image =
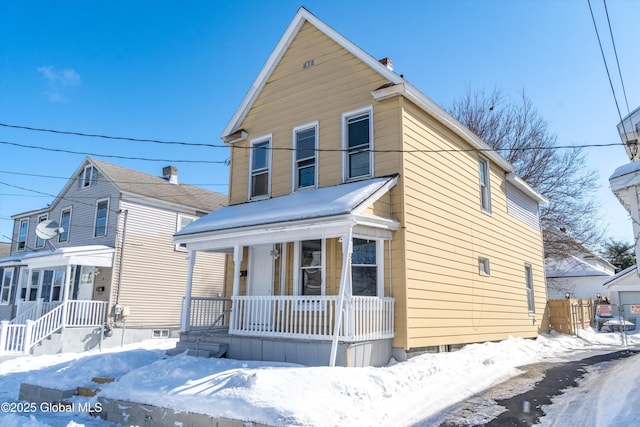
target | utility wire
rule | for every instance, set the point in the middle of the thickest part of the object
(604, 59)
(615, 51)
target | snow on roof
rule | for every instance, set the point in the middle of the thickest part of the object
(308, 204)
(625, 170)
(620, 275)
(571, 267)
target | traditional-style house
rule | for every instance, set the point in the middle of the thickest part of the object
(580, 275)
(102, 256)
(364, 221)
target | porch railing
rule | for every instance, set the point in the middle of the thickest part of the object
(312, 317)
(209, 312)
(19, 338)
(31, 310)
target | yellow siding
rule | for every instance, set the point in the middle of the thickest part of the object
(448, 301)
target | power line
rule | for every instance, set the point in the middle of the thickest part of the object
(60, 150)
(615, 51)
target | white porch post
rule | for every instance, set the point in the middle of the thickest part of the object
(345, 290)
(237, 260)
(65, 295)
(186, 311)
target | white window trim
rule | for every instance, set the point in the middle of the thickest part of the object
(254, 141)
(178, 246)
(68, 231)
(531, 299)
(484, 266)
(41, 218)
(106, 219)
(93, 177)
(296, 262)
(345, 144)
(379, 263)
(485, 188)
(294, 166)
(11, 281)
(26, 235)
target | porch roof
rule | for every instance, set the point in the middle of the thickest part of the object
(96, 255)
(313, 206)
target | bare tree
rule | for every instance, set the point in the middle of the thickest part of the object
(521, 135)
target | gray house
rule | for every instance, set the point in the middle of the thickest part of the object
(107, 260)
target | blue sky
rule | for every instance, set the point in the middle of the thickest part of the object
(175, 70)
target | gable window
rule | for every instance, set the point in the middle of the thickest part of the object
(311, 267)
(259, 167)
(528, 277)
(358, 144)
(65, 223)
(6, 289)
(485, 188)
(40, 242)
(102, 215)
(364, 268)
(305, 145)
(88, 177)
(22, 234)
(484, 268)
(183, 221)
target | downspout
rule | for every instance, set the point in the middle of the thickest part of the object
(345, 288)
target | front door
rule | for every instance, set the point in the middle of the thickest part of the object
(259, 313)
(85, 283)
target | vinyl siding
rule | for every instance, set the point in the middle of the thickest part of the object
(522, 207)
(154, 273)
(448, 301)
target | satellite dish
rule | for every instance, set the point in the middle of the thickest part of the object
(48, 229)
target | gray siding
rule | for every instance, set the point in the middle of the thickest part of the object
(154, 273)
(522, 207)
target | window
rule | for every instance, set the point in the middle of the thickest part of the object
(364, 269)
(88, 177)
(40, 242)
(102, 215)
(32, 293)
(357, 134)
(528, 276)
(6, 289)
(483, 266)
(183, 221)
(485, 188)
(65, 223)
(305, 145)
(22, 234)
(259, 179)
(311, 267)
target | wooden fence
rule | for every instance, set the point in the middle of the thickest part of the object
(568, 315)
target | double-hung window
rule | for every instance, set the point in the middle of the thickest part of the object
(485, 187)
(484, 267)
(22, 234)
(40, 242)
(528, 277)
(88, 177)
(305, 140)
(102, 215)
(260, 168)
(6, 290)
(311, 267)
(358, 144)
(65, 223)
(364, 267)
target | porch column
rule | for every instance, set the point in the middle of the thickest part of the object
(186, 310)
(237, 260)
(345, 290)
(65, 294)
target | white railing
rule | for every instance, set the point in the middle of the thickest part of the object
(312, 317)
(19, 338)
(31, 310)
(209, 312)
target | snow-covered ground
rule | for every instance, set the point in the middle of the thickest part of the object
(286, 394)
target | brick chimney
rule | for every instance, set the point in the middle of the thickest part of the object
(170, 173)
(387, 62)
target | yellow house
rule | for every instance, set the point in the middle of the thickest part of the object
(364, 221)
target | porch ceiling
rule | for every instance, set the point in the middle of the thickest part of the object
(321, 212)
